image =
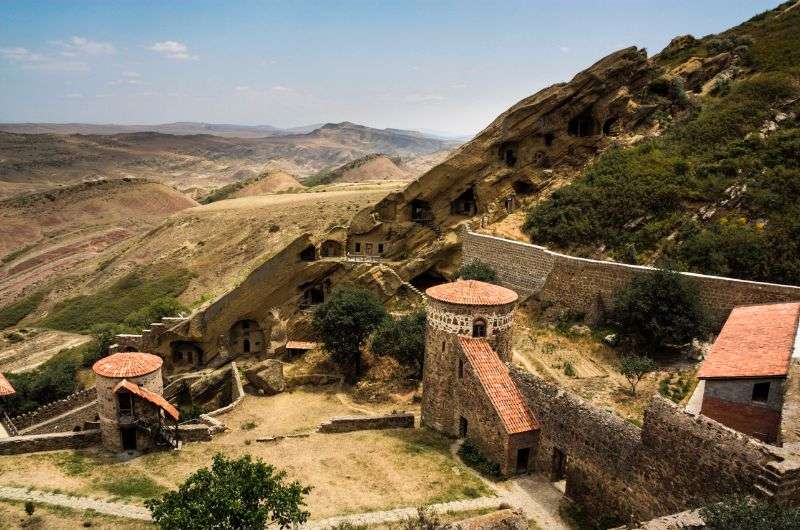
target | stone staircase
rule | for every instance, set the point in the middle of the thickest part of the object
(779, 480)
(404, 283)
(140, 341)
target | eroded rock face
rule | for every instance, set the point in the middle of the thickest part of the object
(267, 376)
(544, 138)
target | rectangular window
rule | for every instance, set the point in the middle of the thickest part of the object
(358, 248)
(761, 392)
(380, 248)
(460, 369)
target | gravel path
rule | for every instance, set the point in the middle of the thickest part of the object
(77, 503)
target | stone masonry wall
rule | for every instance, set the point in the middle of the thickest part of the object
(588, 286)
(400, 420)
(56, 408)
(67, 422)
(676, 461)
(49, 442)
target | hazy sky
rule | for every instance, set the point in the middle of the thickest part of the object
(445, 66)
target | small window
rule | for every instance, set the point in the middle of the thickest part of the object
(245, 325)
(444, 346)
(460, 369)
(358, 247)
(761, 392)
(380, 248)
(479, 328)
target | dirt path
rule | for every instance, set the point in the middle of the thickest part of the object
(77, 503)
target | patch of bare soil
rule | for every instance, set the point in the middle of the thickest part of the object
(581, 362)
(23, 349)
(350, 472)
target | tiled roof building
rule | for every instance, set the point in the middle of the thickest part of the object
(745, 371)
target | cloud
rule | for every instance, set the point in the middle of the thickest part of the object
(131, 74)
(81, 45)
(20, 55)
(58, 66)
(242, 88)
(172, 49)
(281, 88)
(564, 49)
(74, 96)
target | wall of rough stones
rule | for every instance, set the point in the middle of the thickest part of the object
(676, 461)
(401, 420)
(588, 286)
(73, 420)
(56, 408)
(49, 442)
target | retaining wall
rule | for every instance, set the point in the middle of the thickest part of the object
(401, 420)
(49, 442)
(237, 393)
(676, 461)
(69, 421)
(56, 408)
(588, 286)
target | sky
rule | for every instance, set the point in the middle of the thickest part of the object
(445, 66)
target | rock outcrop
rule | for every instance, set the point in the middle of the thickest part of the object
(267, 376)
(528, 150)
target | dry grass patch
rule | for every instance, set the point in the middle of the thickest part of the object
(45, 517)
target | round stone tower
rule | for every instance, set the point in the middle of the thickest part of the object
(466, 308)
(120, 378)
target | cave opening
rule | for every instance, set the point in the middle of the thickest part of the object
(583, 124)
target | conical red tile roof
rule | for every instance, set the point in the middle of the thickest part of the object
(472, 292)
(127, 364)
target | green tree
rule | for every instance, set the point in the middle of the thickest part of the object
(346, 320)
(403, 339)
(234, 494)
(658, 310)
(634, 368)
(477, 270)
(165, 306)
(30, 508)
(741, 513)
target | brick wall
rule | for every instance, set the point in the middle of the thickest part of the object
(758, 422)
(676, 461)
(49, 442)
(588, 286)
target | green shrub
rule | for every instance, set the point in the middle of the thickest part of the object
(473, 457)
(569, 370)
(402, 338)
(345, 321)
(477, 270)
(634, 368)
(741, 513)
(139, 295)
(659, 310)
(11, 314)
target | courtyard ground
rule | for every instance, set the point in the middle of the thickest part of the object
(350, 472)
(580, 361)
(46, 517)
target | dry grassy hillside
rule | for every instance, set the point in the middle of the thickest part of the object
(274, 182)
(193, 163)
(223, 241)
(48, 234)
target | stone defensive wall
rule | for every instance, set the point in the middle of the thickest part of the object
(587, 286)
(49, 411)
(49, 442)
(676, 461)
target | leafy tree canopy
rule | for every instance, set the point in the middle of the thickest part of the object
(658, 310)
(634, 368)
(477, 270)
(346, 320)
(403, 339)
(239, 494)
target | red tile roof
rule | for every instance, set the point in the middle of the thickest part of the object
(503, 393)
(756, 341)
(127, 364)
(472, 292)
(148, 395)
(5, 387)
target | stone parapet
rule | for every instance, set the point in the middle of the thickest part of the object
(401, 420)
(49, 442)
(53, 409)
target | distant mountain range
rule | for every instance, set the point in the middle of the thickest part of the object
(185, 128)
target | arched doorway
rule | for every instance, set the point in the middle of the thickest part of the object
(583, 124)
(186, 354)
(465, 204)
(309, 253)
(246, 336)
(331, 249)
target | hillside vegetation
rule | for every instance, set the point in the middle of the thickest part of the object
(718, 191)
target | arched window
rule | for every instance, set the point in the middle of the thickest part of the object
(479, 327)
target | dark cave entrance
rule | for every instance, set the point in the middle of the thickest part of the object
(508, 153)
(427, 279)
(583, 124)
(465, 204)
